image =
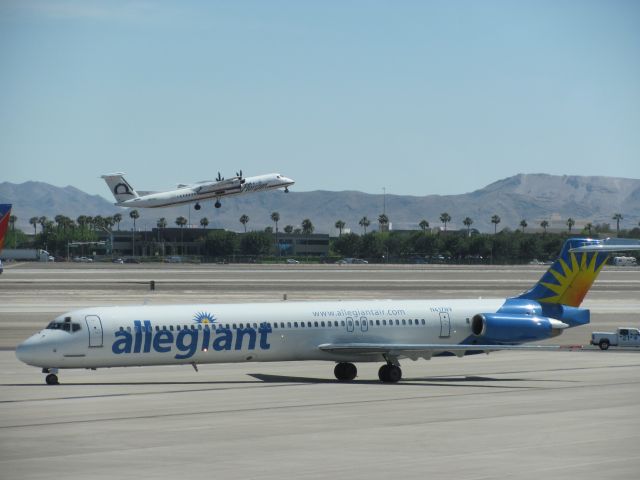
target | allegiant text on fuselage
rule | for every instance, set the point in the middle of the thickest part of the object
(187, 341)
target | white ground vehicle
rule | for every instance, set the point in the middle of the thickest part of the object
(625, 261)
(623, 337)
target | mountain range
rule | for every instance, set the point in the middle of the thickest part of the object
(533, 197)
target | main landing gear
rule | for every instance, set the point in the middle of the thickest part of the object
(345, 372)
(51, 378)
(197, 206)
(389, 373)
(217, 204)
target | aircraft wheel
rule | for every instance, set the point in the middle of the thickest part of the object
(52, 379)
(197, 206)
(345, 371)
(217, 204)
(286, 190)
(390, 373)
(604, 344)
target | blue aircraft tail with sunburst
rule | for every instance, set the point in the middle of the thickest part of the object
(5, 218)
(562, 288)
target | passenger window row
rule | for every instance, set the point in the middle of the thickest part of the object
(285, 325)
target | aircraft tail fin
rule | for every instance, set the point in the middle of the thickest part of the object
(5, 215)
(120, 188)
(570, 277)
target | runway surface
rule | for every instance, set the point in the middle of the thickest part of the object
(516, 414)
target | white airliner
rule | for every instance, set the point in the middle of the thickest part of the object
(341, 332)
(126, 195)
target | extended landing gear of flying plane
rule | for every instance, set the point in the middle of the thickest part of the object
(390, 373)
(345, 372)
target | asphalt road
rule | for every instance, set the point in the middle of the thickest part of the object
(510, 414)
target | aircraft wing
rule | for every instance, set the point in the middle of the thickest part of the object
(429, 349)
(222, 187)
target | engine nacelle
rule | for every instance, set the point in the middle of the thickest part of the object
(514, 328)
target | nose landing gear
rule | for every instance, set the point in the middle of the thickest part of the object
(51, 378)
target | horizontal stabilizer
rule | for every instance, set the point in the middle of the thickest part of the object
(610, 245)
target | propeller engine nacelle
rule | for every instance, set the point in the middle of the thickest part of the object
(514, 328)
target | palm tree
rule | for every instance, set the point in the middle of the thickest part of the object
(617, 217)
(467, 223)
(82, 221)
(12, 220)
(364, 223)
(181, 222)
(544, 224)
(109, 222)
(59, 219)
(424, 225)
(383, 221)
(445, 218)
(570, 223)
(523, 224)
(275, 218)
(204, 221)
(288, 229)
(340, 225)
(133, 214)
(34, 221)
(244, 219)
(307, 227)
(42, 221)
(98, 221)
(588, 227)
(117, 218)
(495, 219)
(161, 224)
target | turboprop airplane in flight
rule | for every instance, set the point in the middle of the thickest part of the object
(336, 331)
(127, 196)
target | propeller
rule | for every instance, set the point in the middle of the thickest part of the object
(220, 178)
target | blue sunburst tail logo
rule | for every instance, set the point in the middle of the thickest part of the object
(204, 318)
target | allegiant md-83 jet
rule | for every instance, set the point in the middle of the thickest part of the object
(127, 196)
(343, 332)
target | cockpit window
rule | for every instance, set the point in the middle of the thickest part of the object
(66, 326)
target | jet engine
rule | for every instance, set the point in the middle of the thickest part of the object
(507, 328)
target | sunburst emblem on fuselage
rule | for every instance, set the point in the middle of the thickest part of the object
(204, 318)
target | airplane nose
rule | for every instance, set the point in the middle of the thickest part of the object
(30, 351)
(23, 352)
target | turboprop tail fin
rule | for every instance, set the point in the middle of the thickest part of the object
(120, 188)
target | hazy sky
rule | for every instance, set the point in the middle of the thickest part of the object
(416, 97)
